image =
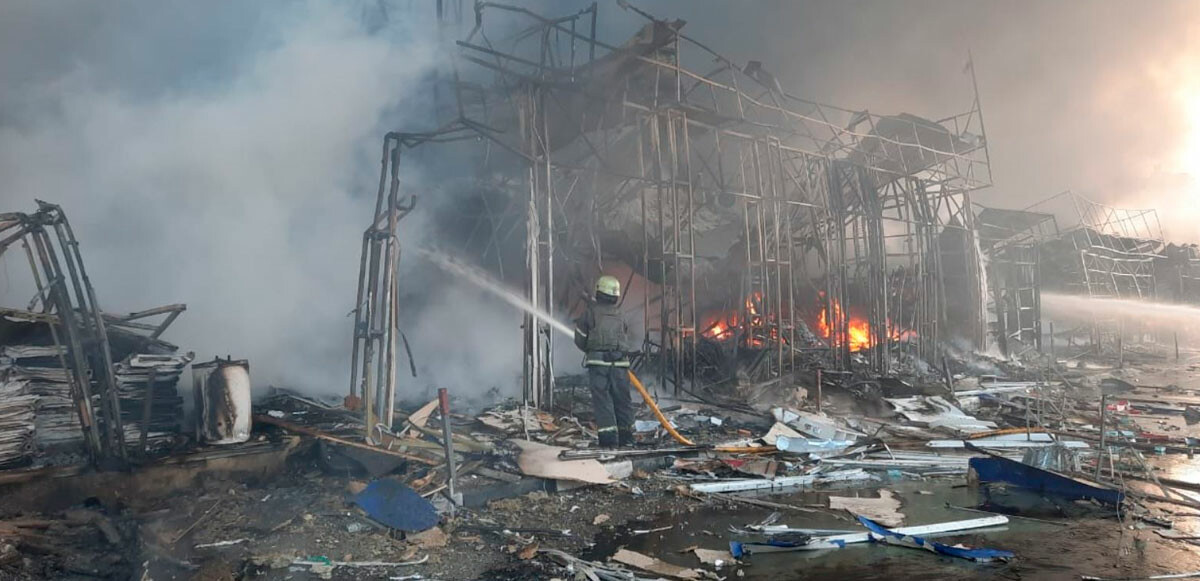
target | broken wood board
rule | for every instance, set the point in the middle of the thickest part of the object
(738, 548)
(759, 467)
(981, 554)
(884, 510)
(781, 482)
(715, 558)
(542, 461)
(420, 417)
(656, 566)
(779, 429)
(518, 421)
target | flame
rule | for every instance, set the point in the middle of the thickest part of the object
(724, 325)
(858, 332)
(752, 325)
(721, 329)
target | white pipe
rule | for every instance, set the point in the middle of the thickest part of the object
(778, 483)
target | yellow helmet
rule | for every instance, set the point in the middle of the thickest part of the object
(608, 285)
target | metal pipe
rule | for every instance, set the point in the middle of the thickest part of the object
(448, 441)
(1100, 454)
(1053, 358)
(147, 403)
(818, 390)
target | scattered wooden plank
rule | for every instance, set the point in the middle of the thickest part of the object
(656, 566)
(265, 419)
(884, 510)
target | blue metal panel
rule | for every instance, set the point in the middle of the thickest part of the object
(995, 469)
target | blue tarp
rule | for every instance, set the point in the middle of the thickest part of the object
(396, 505)
(996, 469)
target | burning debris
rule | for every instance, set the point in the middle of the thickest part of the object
(801, 295)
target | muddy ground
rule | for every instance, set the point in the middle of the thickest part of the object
(304, 513)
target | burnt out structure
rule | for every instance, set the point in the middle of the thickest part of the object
(759, 233)
(1011, 241)
(72, 377)
(1104, 252)
(1070, 245)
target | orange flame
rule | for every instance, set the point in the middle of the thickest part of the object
(721, 329)
(724, 325)
(858, 332)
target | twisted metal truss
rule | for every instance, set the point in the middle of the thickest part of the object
(663, 128)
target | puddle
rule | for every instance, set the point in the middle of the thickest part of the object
(1092, 543)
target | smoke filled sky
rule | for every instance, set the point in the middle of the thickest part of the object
(223, 154)
(1099, 97)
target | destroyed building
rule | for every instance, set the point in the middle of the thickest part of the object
(761, 234)
(815, 289)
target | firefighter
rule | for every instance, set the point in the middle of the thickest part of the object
(602, 334)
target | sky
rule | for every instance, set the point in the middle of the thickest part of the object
(224, 153)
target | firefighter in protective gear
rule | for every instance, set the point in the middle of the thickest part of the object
(602, 334)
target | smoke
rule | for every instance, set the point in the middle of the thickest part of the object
(1133, 317)
(223, 155)
(1101, 97)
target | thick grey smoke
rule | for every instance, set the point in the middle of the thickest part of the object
(222, 155)
(1101, 97)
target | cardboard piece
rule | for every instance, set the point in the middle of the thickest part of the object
(646, 563)
(884, 510)
(714, 558)
(542, 461)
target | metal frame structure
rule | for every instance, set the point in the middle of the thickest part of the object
(1118, 252)
(1186, 263)
(828, 199)
(66, 298)
(1117, 247)
(376, 308)
(1011, 240)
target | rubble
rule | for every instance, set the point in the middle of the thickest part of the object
(828, 322)
(788, 543)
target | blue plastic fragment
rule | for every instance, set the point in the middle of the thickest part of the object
(892, 537)
(738, 548)
(735, 549)
(396, 505)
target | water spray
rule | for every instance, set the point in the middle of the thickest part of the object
(481, 279)
(1151, 313)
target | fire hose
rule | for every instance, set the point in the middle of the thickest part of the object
(666, 424)
(657, 412)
